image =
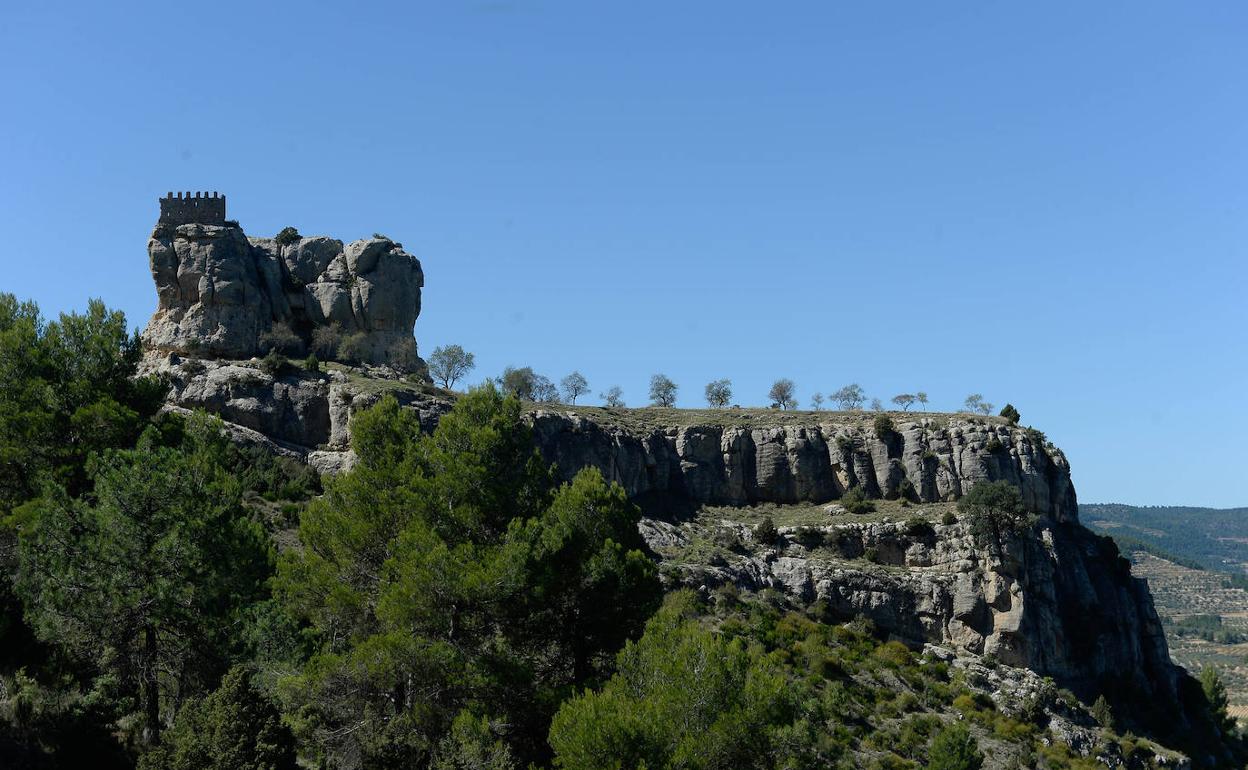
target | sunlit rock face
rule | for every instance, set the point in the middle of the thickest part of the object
(221, 294)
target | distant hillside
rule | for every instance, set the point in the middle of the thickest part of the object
(1213, 538)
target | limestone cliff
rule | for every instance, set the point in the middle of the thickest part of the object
(1057, 601)
(219, 294)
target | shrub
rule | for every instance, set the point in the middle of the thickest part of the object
(312, 363)
(1011, 414)
(766, 533)
(855, 501)
(948, 518)
(917, 526)
(353, 349)
(872, 555)
(994, 445)
(884, 426)
(274, 364)
(1102, 713)
(193, 366)
(287, 236)
(281, 338)
(954, 748)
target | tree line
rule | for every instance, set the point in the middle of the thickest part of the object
(450, 363)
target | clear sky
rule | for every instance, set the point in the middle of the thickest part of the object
(1041, 202)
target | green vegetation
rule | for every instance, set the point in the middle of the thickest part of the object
(287, 236)
(975, 403)
(996, 512)
(955, 749)
(782, 394)
(855, 500)
(275, 364)
(850, 397)
(172, 600)
(449, 569)
(613, 398)
(281, 339)
(1011, 414)
(1206, 538)
(718, 393)
(662, 391)
(574, 386)
(234, 728)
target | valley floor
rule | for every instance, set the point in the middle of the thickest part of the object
(1206, 622)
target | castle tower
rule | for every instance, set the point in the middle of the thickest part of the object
(201, 208)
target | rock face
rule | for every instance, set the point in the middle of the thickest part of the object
(1057, 601)
(927, 460)
(223, 295)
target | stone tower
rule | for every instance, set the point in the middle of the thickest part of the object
(201, 208)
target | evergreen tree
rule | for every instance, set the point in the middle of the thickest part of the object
(447, 572)
(143, 579)
(234, 728)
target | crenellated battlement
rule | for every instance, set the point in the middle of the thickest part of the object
(192, 208)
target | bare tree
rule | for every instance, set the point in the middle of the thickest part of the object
(662, 390)
(876, 406)
(719, 393)
(574, 386)
(614, 397)
(544, 390)
(850, 397)
(448, 363)
(976, 403)
(904, 400)
(816, 402)
(781, 394)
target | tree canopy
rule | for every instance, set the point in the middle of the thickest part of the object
(449, 574)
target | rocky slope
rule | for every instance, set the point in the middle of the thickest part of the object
(1057, 601)
(219, 293)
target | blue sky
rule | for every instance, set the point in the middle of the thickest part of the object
(1043, 202)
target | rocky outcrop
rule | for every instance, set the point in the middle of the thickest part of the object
(928, 460)
(303, 414)
(1057, 600)
(222, 295)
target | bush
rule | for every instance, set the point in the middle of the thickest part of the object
(312, 363)
(855, 500)
(949, 518)
(994, 445)
(274, 364)
(287, 236)
(766, 533)
(354, 348)
(281, 338)
(1011, 414)
(884, 426)
(917, 526)
(954, 748)
(1102, 713)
